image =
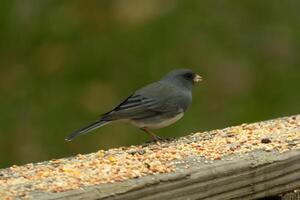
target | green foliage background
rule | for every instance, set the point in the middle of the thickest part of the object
(63, 63)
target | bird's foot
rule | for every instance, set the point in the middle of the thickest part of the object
(157, 140)
(160, 139)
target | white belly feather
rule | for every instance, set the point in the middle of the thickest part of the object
(158, 125)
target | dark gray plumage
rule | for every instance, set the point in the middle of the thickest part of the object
(154, 106)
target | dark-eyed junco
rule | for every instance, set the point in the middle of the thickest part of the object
(154, 106)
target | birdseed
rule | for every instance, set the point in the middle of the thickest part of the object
(119, 164)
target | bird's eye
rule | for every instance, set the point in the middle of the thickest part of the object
(189, 76)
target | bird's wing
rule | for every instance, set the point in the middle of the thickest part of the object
(151, 100)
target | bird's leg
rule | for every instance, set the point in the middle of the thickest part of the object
(154, 137)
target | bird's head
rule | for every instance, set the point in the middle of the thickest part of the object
(182, 77)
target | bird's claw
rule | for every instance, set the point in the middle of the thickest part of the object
(160, 139)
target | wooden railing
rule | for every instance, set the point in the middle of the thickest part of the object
(249, 161)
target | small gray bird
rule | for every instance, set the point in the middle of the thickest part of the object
(154, 106)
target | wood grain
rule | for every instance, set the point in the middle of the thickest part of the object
(258, 174)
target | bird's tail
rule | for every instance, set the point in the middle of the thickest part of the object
(86, 129)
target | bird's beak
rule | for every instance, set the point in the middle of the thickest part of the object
(197, 78)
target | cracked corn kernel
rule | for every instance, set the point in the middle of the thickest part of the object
(124, 163)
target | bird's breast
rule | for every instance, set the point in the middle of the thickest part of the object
(157, 122)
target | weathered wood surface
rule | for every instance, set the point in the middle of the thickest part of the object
(294, 195)
(256, 175)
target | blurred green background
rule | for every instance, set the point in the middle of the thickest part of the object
(63, 63)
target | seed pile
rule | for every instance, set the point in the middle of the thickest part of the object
(123, 163)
